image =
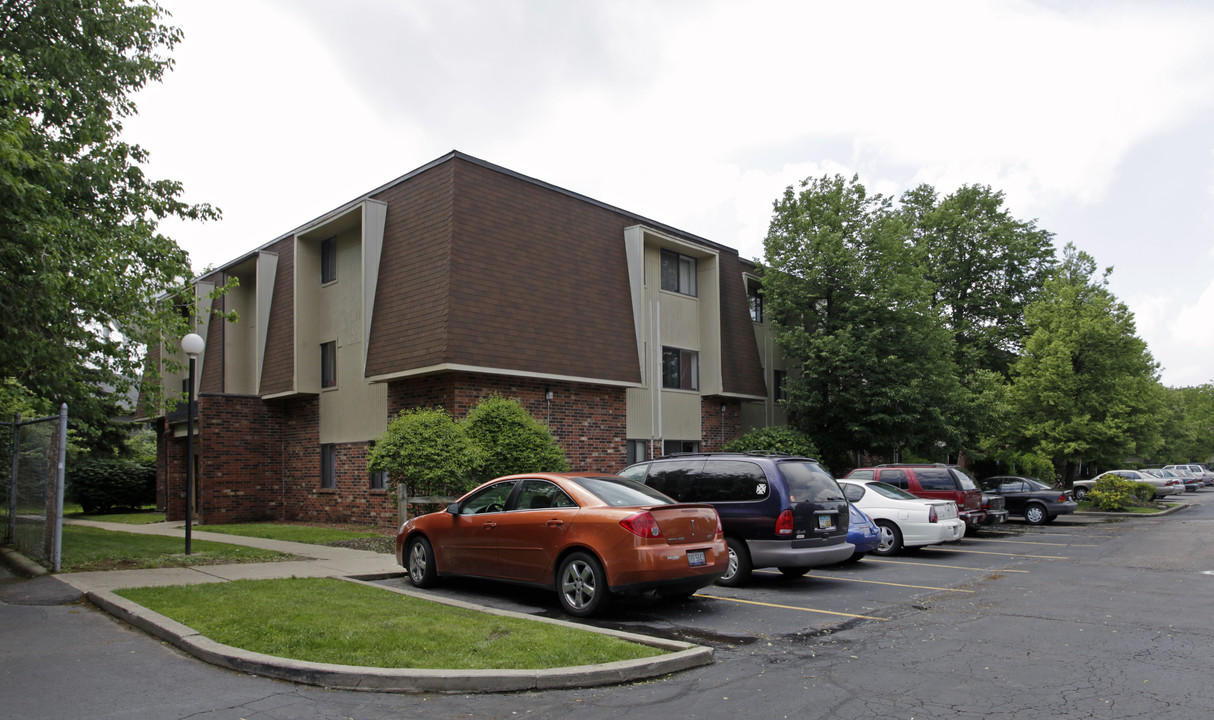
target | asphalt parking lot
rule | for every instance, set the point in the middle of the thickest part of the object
(873, 589)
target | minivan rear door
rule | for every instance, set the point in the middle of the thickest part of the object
(818, 505)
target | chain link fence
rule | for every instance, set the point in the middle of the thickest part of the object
(33, 469)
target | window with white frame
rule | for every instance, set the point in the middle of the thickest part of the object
(678, 273)
(680, 369)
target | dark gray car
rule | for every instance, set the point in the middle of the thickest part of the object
(1038, 502)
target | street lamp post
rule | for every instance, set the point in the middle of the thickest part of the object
(193, 345)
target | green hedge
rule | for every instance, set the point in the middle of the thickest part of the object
(103, 484)
(1113, 493)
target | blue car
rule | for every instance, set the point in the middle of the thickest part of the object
(861, 532)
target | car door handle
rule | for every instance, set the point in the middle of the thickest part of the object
(488, 526)
(555, 523)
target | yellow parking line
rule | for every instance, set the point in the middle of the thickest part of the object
(788, 607)
(874, 582)
(950, 567)
(983, 552)
(1031, 542)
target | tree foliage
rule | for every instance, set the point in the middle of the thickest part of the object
(80, 256)
(1086, 387)
(872, 365)
(511, 440)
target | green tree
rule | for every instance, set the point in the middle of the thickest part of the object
(80, 257)
(427, 451)
(985, 265)
(1086, 387)
(872, 363)
(1189, 428)
(511, 440)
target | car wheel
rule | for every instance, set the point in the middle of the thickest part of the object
(582, 585)
(1035, 514)
(1050, 519)
(1081, 493)
(739, 568)
(891, 538)
(419, 561)
(794, 572)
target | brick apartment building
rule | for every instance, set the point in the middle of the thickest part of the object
(629, 338)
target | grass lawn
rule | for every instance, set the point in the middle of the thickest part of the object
(295, 533)
(332, 621)
(86, 548)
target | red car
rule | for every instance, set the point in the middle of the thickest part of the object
(586, 536)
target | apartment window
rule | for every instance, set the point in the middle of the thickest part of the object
(669, 447)
(680, 369)
(779, 381)
(678, 273)
(756, 304)
(378, 478)
(328, 260)
(636, 451)
(328, 364)
(328, 466)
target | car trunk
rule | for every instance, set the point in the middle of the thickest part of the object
(684, 524)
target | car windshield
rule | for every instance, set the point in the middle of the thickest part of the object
(809, 482)
(890, 491)
(621, 492)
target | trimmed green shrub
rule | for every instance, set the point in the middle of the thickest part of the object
(774, 440)
(427, 451)
(1112, 493)
(511, 440)
(104, 484)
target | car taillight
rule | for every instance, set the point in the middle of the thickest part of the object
(645, 525)
(720, 529)
(1062, 497)
(931, 514)
(784, 523)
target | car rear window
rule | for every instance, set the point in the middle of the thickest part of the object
(936, 479)
(621, 492)
(809, 482)
(890, 491)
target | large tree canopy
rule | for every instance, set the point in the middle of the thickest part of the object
(873, 365)
(1085, 388)
(81, 260)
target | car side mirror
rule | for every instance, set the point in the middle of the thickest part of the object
(453, 509)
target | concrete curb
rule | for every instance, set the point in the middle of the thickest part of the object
(1094, 513)
(21, 564)
(682, 656)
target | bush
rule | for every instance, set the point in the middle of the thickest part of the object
(1112, 493)
(511, 440)
(104, 484)
(426, 451)
(774, 440)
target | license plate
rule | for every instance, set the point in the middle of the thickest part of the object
(826, 522)
(695, 557)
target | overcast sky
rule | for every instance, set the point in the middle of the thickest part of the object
(1095, 118)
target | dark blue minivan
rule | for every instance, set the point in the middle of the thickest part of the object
(777, 510)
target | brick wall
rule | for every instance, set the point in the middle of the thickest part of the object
(720, 422)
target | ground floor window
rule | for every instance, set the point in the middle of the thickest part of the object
(638, 450)
(328, 466)
(670, 447)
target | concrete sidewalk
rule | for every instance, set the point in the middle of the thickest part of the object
(354, 566)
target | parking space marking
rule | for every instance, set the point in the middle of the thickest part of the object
(950, 567)
(878, 582)
(1034, 542)
(987, 552)
(789, 607)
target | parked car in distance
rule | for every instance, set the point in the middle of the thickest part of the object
(940, 482)
(586, 537)
(1187, 471)
(777, 510)
(1172, 476)
(1036, 501)
(904, 519)
(862, 532)
(1163, 486)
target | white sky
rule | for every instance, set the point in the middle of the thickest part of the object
(1095, 118)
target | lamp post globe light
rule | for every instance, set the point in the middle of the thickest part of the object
(193, 345)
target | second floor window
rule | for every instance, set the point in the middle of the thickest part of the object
(328, 364)
(678, 273)
(756, 304)
(328, 260)
(680, 369)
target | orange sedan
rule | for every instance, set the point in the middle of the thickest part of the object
(586, 536)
